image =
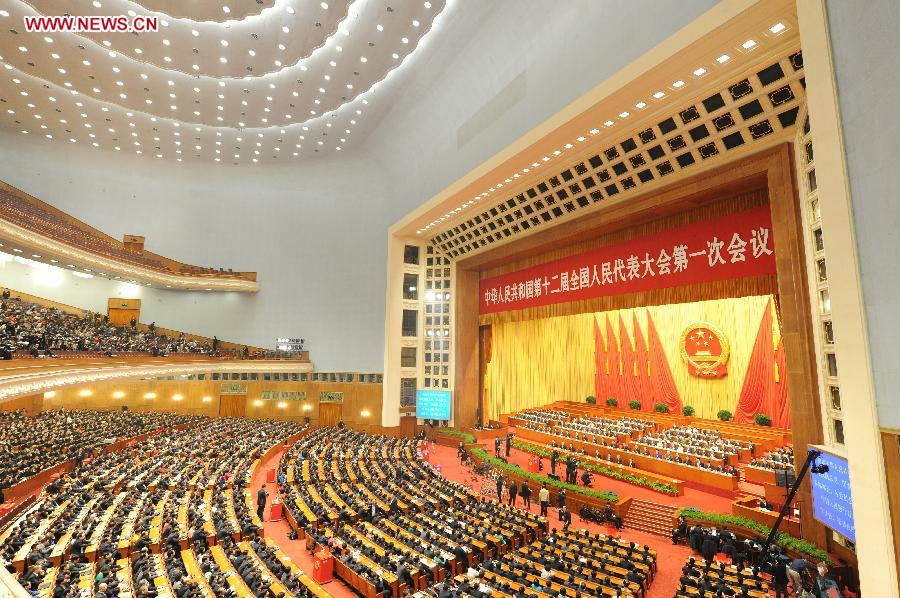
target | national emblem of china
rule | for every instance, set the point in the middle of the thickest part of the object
(705, 350)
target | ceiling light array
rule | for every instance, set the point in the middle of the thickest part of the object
(284, 124)
(676, 85)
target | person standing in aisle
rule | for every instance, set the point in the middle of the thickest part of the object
(544, 499)
(261, 497)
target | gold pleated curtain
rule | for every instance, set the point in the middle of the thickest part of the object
(536, 362)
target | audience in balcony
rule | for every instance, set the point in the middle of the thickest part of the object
(41, 330)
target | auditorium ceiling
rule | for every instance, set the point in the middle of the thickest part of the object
(230, 81)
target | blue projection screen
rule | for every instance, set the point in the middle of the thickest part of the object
(831, 495)
(433, 404)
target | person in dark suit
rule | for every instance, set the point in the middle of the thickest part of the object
(525, 491)
(680, 531)
(561, 502)
(695, 538)
(565, 515)
(513, 492)
(261, 497)
(508, 443)
(553, 457)
(497, 447)
(500, 487)
(709, 547)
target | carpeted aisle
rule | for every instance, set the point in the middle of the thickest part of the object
(278, 531)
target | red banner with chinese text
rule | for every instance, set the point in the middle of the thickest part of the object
(733, 246)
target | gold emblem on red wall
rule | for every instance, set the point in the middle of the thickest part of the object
(705, 350)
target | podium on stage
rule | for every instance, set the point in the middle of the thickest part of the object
(323, 566)
(270, 476)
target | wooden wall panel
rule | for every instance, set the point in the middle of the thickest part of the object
(466, 345)
(330, 414)
(798, 332)
(31, 404)
(891, 445)
(232, 405)
(202, 397)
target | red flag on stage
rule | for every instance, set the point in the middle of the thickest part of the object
(661, 381)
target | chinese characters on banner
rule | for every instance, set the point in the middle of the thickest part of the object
(733, 246)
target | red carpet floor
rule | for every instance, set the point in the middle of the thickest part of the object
(670, 558)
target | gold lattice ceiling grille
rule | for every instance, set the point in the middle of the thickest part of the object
(745, 112)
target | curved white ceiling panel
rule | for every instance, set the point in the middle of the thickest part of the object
(292, 79)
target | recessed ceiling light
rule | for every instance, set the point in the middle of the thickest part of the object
(324, 5)
(363, 59)
(640, 105)
(624, 114)
(415, 23)
(395, 55)
(23, 49)
(222, 59)
(723, 58)
(777, 28)
(748, 44)
(290, 10)
(226, 10)
(49, 40)
(379, 27)
(286, 29)
(428, 5)
(700, 72)
(195, 33)
(404, 40)
(678, 84)
(608, 123)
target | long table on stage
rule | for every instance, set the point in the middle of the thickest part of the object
(672, 469)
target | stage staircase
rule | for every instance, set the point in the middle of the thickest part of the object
(650, 517)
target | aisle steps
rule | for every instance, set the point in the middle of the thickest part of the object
(650, 517)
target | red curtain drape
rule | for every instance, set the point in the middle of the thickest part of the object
(642, 363)
(759, 381)
(612, 356)
(601, 379)
(661, 383)
(628, 379)
(780, 409)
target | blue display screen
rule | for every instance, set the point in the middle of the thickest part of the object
(433, 404)
(831, 495)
